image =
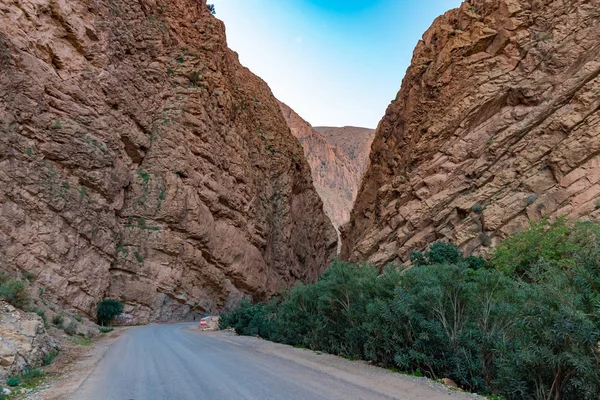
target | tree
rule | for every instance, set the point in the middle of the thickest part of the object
(211, 8)
(107, 310)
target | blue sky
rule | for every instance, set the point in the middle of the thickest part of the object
(334, 62)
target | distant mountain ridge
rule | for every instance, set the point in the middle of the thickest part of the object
(338, 158)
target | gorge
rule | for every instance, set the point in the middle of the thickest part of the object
(141, 161)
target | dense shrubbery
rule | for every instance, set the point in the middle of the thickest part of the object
(107, 310)
(14, 291)
(525, 325)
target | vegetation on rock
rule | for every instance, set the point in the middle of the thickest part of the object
(14, 291)
(107, 310)
(523, 325)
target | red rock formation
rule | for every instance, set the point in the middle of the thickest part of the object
(355, 142)
(139, 160)
(497, 123)
(337, 157)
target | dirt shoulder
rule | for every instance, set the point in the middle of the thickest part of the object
(75, 362)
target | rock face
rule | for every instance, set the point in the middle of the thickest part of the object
(355, 142)
(140, 161)
(338, 159)
(497, 122)
(23, 340)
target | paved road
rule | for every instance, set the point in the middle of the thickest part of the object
(173, 362)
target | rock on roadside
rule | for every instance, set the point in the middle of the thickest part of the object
(23, 340)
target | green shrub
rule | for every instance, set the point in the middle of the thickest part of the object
(58, 320)
(13, 381)
(445, 253)
(525, 326)
(48, 358)
(547, 246)
(31, 377)
(107, 310)
(78, 318)
(15, 293)
(477, 208)
(104, 329)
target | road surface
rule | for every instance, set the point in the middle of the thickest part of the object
(174, 362)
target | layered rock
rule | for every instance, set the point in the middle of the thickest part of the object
(337, 157)
(354, 141)
(23, 340)
(497, 122)
(139, 160)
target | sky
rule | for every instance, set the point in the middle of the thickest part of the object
(334, 62)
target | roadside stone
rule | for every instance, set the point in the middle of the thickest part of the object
(449, 382)
(23, 340)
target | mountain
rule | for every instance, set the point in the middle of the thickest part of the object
(354, 141)
(337, 157)
(497, 123)
(140, 161)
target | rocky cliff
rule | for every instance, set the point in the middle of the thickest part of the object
(497, 122)
(354, 141)
(337, 157)
(139, 160)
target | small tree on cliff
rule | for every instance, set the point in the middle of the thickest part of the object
(107, 310)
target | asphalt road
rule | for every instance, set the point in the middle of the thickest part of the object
(173, 362)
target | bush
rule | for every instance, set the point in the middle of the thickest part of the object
(547, 246)
(104, 329)
(107, 310)
(525, 326)
(13, 381)
(14, 292)
(29, 378)
(445, 253)
(58, 320)
(48, 358)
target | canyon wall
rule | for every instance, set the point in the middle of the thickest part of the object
(337, 157)
(140, 161)
(497, 123)
(354, 141)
